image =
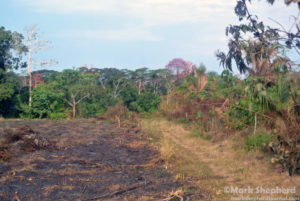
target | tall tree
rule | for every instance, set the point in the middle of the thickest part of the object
(75, 86)
(11, 51)
(180, 67)
(139, 76)
(35, 44)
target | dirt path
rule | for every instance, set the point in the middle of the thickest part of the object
(223, 165)
(94, 161)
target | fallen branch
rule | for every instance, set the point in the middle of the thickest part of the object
(119, 192)
(16, 197)
(173, 195)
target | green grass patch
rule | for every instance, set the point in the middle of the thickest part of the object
(182, 121)
(257, 141)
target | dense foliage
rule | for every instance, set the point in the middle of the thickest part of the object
(11, 50)
(85, 92)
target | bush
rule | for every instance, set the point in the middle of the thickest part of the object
(257, 140)
(26, 112)
(145, 102)
(57, 115)
(129, 95)
(45, 104)
(91, 109)
(241, 115)
(182, 120)
(239, 126)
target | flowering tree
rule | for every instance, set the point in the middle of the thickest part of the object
(179, 67)
(37, 78)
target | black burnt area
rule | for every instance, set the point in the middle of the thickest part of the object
(79, 171)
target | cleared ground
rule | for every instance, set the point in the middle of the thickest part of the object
(89, 160)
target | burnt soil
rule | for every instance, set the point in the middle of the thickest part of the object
(87, 160)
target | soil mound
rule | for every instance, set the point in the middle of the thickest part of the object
(14, 135)
(23, 138)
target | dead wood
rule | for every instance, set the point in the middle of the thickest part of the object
(122, 191)
(16, 197)
(173, 195)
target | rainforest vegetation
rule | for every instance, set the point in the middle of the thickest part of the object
(263, 101)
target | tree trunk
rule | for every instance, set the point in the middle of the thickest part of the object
(74, 111)
(167, 99)
(73, 106)
(255, 124)
(30, 84)
(29, 73)
(140, 85)
(197, 78)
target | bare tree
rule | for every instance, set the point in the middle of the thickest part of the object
(74, 102)
(117, 88)
(35, 44)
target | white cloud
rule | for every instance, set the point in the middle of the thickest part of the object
(150, 12)
(216, 14)
(113, 35)
(144, 13)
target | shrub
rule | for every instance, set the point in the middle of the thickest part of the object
(239, 126)
(91, 109)
(145, 102)
(129, 95)
(118, 110)
(45, 104)
(182, 120)
(26, 111)
(257, 140)
(241, 115)
(57, 115)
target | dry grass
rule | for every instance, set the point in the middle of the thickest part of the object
(217, 164)
(167, 149)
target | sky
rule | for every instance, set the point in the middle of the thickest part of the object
(133, 33)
